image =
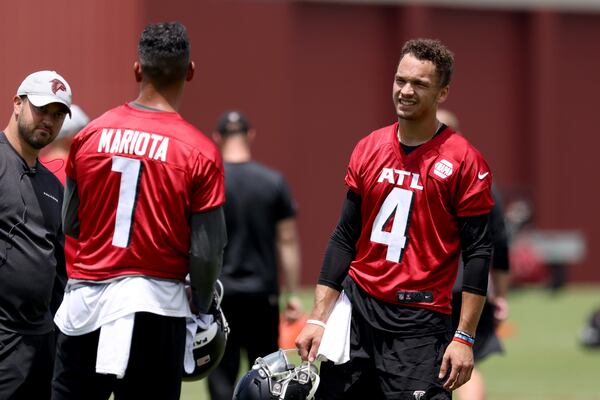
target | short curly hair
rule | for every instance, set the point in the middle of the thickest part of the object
(164, 52)
(432, 50)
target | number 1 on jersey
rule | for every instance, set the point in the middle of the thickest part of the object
(130, 173)
(396, 206)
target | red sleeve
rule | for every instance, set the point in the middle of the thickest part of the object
(70, 167)
(208, 189)
(474, 195)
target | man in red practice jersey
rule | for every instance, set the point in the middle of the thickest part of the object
(419, 193)
(54, 157)
(143, 197)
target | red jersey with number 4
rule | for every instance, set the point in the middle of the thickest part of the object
(410, 204)
(140, 175)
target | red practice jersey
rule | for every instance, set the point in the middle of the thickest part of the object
(57, 166)
(410, 204)
(140, 175)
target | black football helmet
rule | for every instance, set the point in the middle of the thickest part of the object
(273, 377)
(209, 344)
(590, 336)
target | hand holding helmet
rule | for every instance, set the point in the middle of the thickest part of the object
(210, 339)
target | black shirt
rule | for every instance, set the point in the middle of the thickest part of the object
(256, 199)
(31, 244)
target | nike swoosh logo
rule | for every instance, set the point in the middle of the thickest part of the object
(482, 175)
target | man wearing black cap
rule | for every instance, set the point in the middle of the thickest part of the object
(32, 265)
(495, 309)
(261, 231)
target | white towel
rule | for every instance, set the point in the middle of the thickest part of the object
(335, 344)
(202, 322)
(114, 345)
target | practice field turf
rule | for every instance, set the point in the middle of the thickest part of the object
(543, 359)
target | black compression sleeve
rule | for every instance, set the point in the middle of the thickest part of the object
(500, 260)
(208, 238)
(476, 242)
(70, 209)
(342, 245)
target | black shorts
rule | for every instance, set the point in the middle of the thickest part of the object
(385, 366)
(26, 363)
(154, 370)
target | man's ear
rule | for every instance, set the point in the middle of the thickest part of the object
(443, 94)
(190, 71)
(137, 71)
(17, 105)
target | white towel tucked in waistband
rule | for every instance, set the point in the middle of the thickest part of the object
(335, 344)
(114, 345)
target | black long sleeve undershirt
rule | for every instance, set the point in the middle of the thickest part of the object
(500, 259)
(342, 246)
(475, 239)
(476, 243)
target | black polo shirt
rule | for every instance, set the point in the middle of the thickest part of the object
(256, 199)
(32, 264)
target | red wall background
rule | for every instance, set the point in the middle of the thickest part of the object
(315, 77)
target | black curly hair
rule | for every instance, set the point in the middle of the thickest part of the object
(164, 52)
(432, 50)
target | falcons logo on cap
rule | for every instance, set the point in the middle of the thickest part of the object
(57, 85)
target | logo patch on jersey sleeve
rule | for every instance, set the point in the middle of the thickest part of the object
(443, 168)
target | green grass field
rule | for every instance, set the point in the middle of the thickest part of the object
(543, 360)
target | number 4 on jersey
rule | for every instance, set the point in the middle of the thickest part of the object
(396, 207)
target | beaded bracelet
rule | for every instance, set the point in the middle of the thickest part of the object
(316, 322)
(463, 337)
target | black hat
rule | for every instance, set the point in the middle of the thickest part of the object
(232, 121)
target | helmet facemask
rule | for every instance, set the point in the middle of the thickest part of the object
(287, 381)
